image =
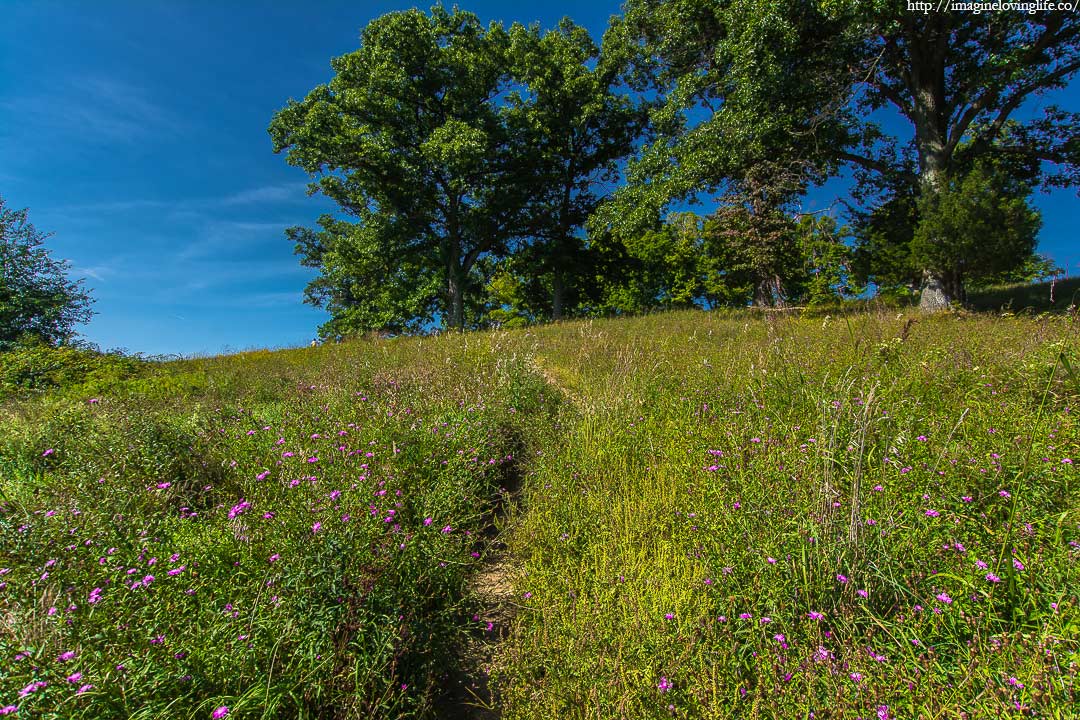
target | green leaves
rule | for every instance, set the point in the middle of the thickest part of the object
(37, 300)
(407, 140)
(977, 225)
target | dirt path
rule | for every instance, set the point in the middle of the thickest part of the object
(473, 697)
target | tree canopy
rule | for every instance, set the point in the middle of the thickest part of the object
(512, 175)
(801, 83)
(407, 140)
(38, 302)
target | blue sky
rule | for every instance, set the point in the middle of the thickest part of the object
(136, 132)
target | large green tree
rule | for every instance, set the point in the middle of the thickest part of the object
(960, 80)
(805, 81)
(409, 139)
(577, 127)
(739, 93)
(38, 301)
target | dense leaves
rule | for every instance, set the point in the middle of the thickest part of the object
(511, 176)
(38, 302)
(407, 140)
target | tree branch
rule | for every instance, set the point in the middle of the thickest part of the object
(871, 164)
(1018, 96)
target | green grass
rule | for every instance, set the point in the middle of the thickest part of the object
(720, 515)
(1049, 296)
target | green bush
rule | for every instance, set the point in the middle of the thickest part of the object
(36, 367)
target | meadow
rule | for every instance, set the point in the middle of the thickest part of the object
(867, 514)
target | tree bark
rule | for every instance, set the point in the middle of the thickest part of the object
(934, 296)
(938, 291)
(769, 292)
(455, 298)
(926, 82)
(558, 291)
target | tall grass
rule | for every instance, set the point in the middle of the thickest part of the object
(273, 535)
(720, 515)
(803, 518)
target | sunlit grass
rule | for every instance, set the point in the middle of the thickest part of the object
(720, 515)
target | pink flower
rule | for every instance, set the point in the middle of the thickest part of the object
(32, 687)
(48, 452)
(220, 712)
(74, 677)
(314, 529)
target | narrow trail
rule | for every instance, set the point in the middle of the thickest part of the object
(473, 697)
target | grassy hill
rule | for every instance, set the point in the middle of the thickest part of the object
(1050, 296)
(700, 515)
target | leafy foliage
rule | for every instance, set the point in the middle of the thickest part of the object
(37, 300)
(577, 128)
(407, 140)
(37, 367)
(975, 227)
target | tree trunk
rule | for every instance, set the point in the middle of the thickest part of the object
(455, 293)
(939, 289)
(934, 296)
(558, 291)
(927, 84)
(769, 292)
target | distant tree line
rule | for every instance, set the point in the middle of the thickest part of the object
(511, 175)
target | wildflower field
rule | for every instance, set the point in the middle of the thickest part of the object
(696, 515)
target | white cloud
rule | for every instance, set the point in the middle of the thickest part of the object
(285, 192)
(97, 109)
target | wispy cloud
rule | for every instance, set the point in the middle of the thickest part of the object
(285, 192)
(97, 272)
(275, 194)
(98, 109)
(218, 238)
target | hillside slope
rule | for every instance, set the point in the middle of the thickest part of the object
(704, 515)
